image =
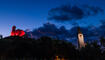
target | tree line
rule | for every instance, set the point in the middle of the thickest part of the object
(48, 48)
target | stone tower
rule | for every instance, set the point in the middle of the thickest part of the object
(80, 39)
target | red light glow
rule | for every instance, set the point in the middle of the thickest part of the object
(17, 32)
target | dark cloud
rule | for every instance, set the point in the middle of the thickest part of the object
(92, 10)
(67, 12)
(90, 33)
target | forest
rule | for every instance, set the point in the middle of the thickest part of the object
(46, 48)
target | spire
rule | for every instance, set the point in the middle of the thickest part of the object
(79, 31)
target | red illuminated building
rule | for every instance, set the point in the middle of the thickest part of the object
(17, 32)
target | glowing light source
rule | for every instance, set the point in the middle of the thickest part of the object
(80, 39)
(57, 58)
(17, 32)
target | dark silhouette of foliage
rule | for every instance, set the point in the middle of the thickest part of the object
(47, 48)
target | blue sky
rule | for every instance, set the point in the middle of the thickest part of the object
(30, 14)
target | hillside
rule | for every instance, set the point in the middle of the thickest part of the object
(48, 48)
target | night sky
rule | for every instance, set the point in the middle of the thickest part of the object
(30, 14)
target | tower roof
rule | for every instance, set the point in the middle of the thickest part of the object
(79, 31)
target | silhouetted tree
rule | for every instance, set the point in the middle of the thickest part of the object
(47, 48)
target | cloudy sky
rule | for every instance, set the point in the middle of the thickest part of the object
(30, 14)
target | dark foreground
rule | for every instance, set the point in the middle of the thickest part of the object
(45, 48)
